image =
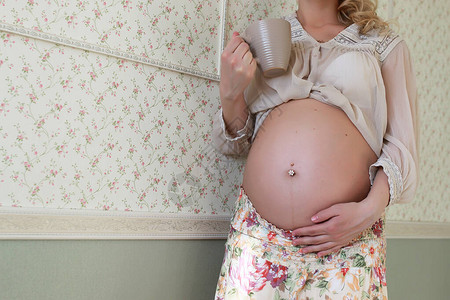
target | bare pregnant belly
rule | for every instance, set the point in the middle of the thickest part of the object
(329, 155)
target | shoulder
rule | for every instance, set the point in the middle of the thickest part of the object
(376, 42)
(382, 42)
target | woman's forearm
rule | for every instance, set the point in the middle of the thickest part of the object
(235, 114)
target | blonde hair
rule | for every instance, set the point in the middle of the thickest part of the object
(363, 13)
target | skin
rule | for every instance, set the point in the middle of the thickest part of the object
(332, 227)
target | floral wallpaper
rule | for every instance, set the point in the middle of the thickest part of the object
(424, 25)
(88, 131)
(84, 131)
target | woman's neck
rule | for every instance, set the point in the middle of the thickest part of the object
(317, 13)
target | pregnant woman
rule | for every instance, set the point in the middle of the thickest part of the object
(329, 145)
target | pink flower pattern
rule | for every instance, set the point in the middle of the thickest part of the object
(113, 140)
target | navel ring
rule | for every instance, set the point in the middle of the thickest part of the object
(291, 172)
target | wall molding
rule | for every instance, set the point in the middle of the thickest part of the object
(81, 45)
(62, 227)
(137, 227)
(417, 230)
(59, 40)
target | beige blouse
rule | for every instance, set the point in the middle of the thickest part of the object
(369, 77)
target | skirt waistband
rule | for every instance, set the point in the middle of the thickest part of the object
(248, 221)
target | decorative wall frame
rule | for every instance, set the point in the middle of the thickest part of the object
(104, 23)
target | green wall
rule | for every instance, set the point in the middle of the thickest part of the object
(175, 269)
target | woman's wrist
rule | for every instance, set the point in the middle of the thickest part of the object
(235, 114)
(378, 198)
(230, 94)
(373, 207)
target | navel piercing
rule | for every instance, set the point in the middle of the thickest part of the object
(291, 172)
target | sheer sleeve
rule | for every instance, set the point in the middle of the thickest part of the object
(226, 144)
(399, 156)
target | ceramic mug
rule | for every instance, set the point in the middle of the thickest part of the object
(270, 44)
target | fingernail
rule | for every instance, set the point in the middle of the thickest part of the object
(314, 218)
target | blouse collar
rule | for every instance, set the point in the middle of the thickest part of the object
(298, 32)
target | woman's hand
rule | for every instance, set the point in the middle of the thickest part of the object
(339, 224)
(237, 68)
(334, 228)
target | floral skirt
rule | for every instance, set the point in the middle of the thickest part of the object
(260, 262)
